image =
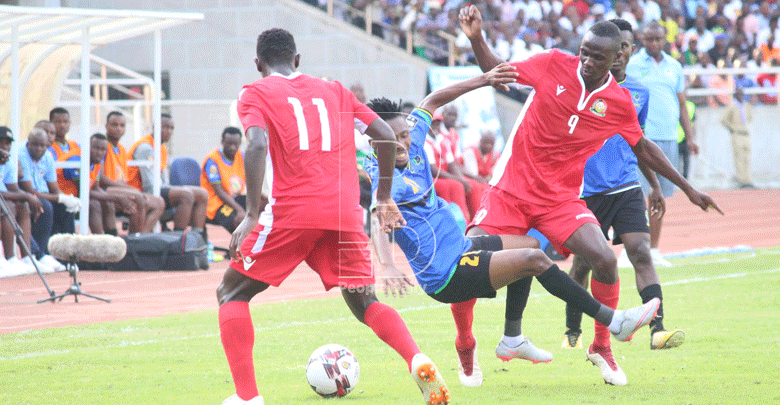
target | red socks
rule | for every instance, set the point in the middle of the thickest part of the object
(463, 315)
(607, 294)
(238, 339)
(389, 327)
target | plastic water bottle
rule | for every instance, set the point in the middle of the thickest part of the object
(210, 251)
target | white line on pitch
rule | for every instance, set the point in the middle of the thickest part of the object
(329, 321)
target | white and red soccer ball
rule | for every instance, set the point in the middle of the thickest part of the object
(332, 371)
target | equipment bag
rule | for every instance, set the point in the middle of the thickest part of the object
(176, 250)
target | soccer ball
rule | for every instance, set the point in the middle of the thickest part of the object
(332, 371)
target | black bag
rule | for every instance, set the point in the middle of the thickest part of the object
(163, 251)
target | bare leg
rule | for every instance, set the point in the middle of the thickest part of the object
(155, 209)
(182, 200)
(96, 217)
(8, 234)
(198, 217)
(108, 210)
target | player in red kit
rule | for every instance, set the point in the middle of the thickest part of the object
(575, 106)
(300, 134)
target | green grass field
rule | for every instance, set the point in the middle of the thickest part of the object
(728, 306)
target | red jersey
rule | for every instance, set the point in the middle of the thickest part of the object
(560, 126)
(310, 166)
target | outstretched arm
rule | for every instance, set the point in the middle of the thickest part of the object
(471, 24)
(497, 77)
(650, 154)
(656, 198)
(384, 143)
(254, 169)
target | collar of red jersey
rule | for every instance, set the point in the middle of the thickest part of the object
(292, 75)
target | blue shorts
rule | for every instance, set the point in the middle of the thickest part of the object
(670, 149)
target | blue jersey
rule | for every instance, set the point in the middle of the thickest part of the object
(613, 168)
(431, 240)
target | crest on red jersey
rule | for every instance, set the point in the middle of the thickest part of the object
(599, 108)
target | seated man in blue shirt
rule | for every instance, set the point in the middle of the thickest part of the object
(40, 179)
(19, 206)
(453, 268)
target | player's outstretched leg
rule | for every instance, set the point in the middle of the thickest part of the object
(469, 372)
(238, 334)
(388, 326)
(514, 345)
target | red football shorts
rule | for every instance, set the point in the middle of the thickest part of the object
(503, 214)
(340, 258)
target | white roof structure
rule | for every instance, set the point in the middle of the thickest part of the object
(38, 48)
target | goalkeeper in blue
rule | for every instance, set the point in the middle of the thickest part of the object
(451, 267)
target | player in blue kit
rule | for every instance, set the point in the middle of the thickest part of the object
(451, 267)
(611, 190)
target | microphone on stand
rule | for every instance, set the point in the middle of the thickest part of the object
(86, 248)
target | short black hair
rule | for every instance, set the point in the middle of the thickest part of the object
(113, 113)
(622, 24)
(653, 25)
(606, 29)
(98, 135)
(165, 115)
(385, 108)
(57, 110)
(276, 46)
(230, 130)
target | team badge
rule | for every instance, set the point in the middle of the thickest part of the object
(411, 121)
(599, 108)
(417, 160)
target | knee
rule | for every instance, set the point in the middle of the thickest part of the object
(201, 195)
(538, 261)
(604, 262)
(640, 255)
(187, 197)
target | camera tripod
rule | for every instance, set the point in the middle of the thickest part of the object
(20, 238)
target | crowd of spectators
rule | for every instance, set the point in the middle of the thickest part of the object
(701, 33)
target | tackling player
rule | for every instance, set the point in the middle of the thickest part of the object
(613, 193)
(304, 125)
(453, 268)
(576, 105)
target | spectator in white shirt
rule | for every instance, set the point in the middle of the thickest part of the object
(706, 39)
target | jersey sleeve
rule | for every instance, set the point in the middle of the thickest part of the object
(642, 114)
(248, 107)
(212, 171)
(419, 122)
(11, 175)
(631, 131)
(680, 85)
(531, 70)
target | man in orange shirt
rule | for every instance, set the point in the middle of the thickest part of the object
(224, 180)
(149, 208)
(102, 211)
(189, 202)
